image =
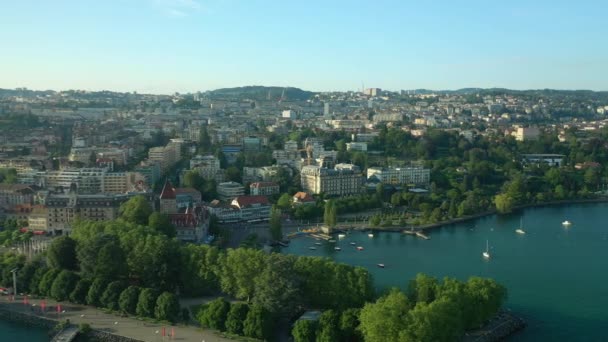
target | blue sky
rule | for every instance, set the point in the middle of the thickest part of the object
(163, 46)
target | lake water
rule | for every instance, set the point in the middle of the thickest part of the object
(556, 276)
(10, 331)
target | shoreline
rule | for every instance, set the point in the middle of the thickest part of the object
(441, 224)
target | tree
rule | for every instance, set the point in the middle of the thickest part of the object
(233, 174)
(375, 220)
(504, 203)
(236, 317)
(160, 223)
(204, 141)
(423, 288)
(109, 297)
(193, 179)
(328, 327)
(36, 279)
(276, 289)
(276, 231)
(46, 282)
(284, 202)
(329, 217)
(258, 324)
(63, 285)
(62, 253)
(146, 302)
(215, 314)
(167, 307)
(95, 291)
(349, 323)
(127, 302)
(240, 268)
(386, 318)
(79, 294)
(136, 210)
(424, 320)
(304, 331)
(396, 199)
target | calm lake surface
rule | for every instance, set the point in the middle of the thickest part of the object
(10, 331)
(557, 277)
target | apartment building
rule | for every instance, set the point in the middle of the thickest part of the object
(229, 190)
(407, 175)
(63, 210)
(13, 194)
(264, 188)
(343, 180)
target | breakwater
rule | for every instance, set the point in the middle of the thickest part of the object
(503, 325)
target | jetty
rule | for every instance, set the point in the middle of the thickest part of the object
(417, 233)
(66, 335)
(498, 328)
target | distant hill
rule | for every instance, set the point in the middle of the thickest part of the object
(262, 93)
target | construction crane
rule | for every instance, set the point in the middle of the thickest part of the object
(309, 148)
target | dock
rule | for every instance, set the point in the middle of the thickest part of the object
(418, 234)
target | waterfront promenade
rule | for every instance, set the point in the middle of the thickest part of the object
(124, 326)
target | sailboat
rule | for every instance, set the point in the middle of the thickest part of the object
(486, 254)
(521, 230)
(566, 223)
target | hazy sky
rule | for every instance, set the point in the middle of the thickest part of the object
(163, 46)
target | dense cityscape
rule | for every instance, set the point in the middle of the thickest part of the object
(138, 203)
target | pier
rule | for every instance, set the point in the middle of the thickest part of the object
(418, 234)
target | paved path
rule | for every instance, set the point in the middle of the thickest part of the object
(124, 326)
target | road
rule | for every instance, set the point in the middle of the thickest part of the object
(124, 326)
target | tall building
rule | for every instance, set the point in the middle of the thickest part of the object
(326, 112)
(343, 180)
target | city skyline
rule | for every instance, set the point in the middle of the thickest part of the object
(166, 46)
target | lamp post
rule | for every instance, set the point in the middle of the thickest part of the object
(14, 272)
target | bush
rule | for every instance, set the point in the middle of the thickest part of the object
(63, 285)
(127, 302)
(236, 317)
(109, 298)
(84, 328)
(167, 307)
(215, 314)
(95, 291)
(258, 324)
(146, 302)
(79, 294)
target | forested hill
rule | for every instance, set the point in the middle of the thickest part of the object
(262, 93)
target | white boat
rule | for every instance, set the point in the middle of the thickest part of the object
(381, 265)
(341, 236)
(337, 248)
(318, 243)
(566, 223)
(486, 254)
(332, 240)
(370, 235)
(360, 248)
(521, 230)
(312, 248)
(353, 243)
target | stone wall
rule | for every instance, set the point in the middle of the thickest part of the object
(102, 336)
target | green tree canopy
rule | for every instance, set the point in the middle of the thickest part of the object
(62, 253)
(136, 210)
(167, 307)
